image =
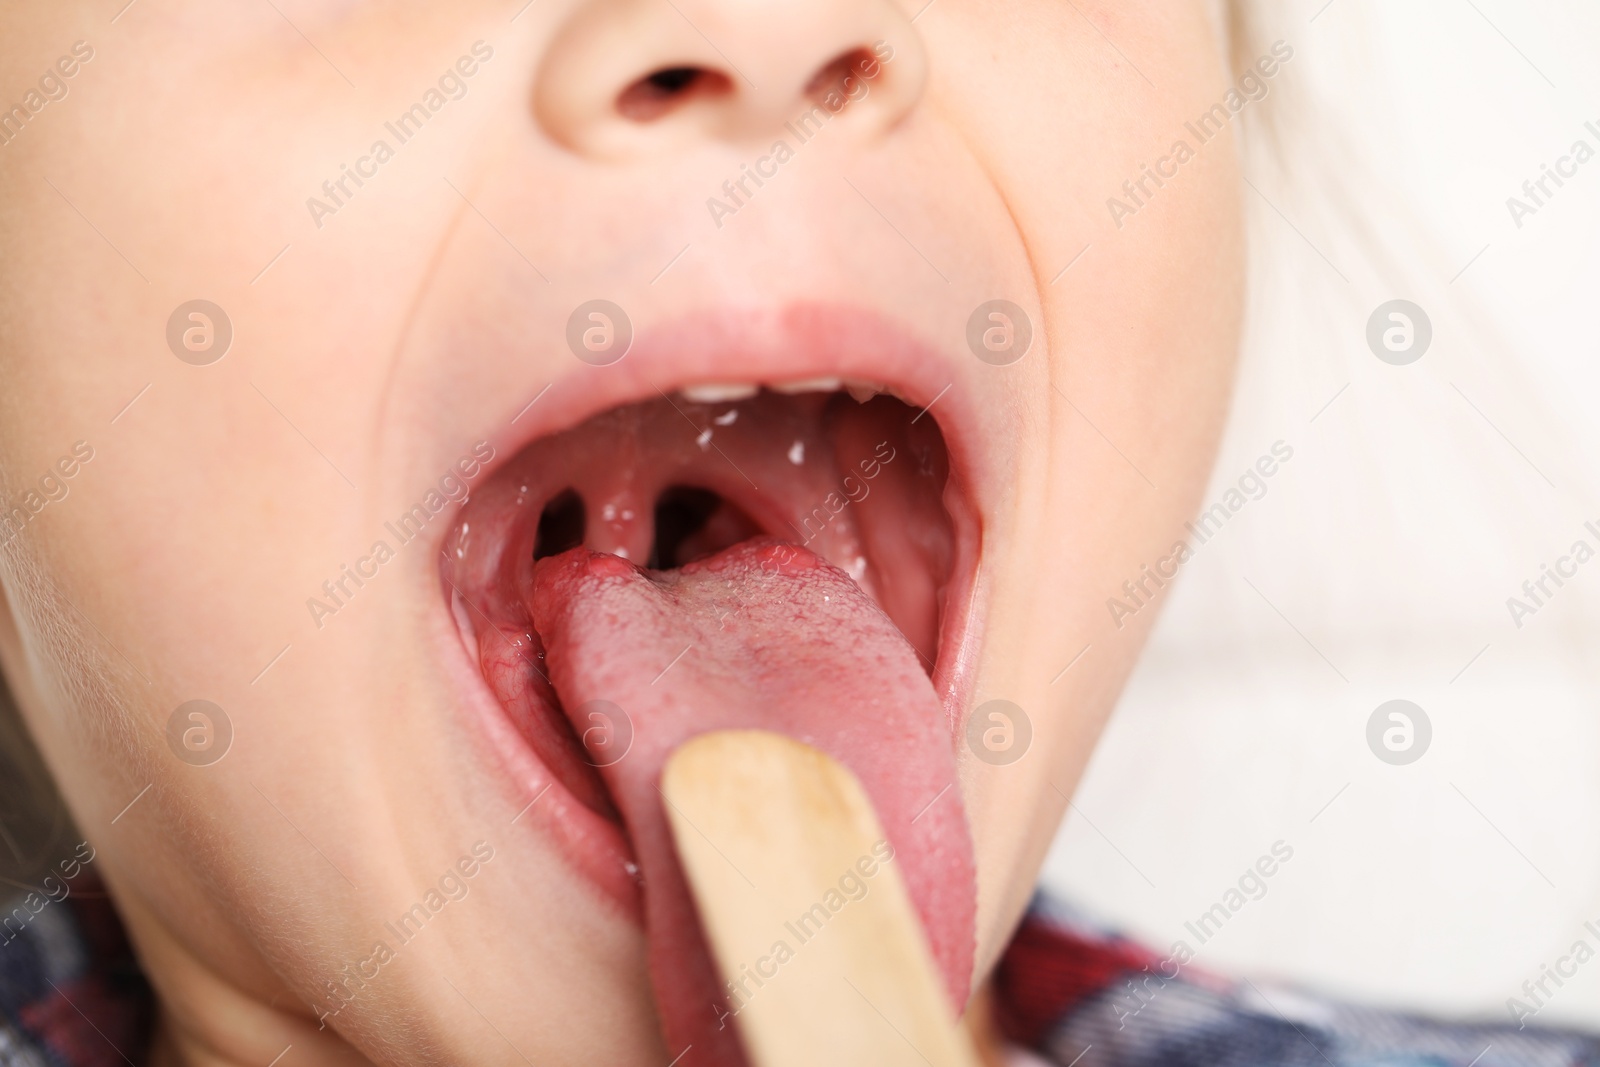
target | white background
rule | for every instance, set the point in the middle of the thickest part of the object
(1379, 562)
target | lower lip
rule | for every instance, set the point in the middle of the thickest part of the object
(596, 848)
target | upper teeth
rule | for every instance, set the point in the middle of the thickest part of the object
(808, 385)
(722, 392)
(717, 392)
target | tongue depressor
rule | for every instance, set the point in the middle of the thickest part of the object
(823, 956)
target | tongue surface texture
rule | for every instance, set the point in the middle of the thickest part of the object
(766, 636)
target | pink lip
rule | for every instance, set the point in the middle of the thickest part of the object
(793, 343)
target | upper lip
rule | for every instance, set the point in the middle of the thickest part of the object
(798, 342)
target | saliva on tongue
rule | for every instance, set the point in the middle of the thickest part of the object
(763, 635)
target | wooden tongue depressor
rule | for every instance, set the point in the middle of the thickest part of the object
(813, 930)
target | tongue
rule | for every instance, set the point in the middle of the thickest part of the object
(766, 636)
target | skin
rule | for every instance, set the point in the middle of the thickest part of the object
(179, 563)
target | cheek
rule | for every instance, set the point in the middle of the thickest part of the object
(1115, 424)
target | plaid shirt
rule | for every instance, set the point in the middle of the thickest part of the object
(71, 995)
(71, 992)
(1080, 995)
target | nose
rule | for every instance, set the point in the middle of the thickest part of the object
(624, 79)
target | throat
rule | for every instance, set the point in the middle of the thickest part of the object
(226, 1007)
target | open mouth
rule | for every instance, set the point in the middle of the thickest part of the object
(672, 481)
(657, 570)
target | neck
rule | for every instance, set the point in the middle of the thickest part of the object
(208, 1019)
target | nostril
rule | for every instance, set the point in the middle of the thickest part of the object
(656, 94)
(562, 525)
(847, 75)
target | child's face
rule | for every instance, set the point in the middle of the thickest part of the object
(392, 330)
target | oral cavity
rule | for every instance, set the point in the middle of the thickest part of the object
(651, 558)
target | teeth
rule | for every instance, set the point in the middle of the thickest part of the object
(808, 385)
(722, 392)
(862, 392)
(718, 392)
